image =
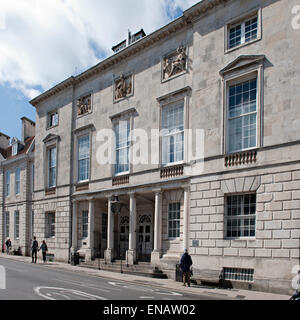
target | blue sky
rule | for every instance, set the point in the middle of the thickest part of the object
(44, 42)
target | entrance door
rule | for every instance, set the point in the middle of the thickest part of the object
(124, 236)
(145, 238)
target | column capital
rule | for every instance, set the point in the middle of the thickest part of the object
(157, 191)
(187, 188)
(132, 194)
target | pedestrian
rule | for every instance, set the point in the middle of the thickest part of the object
(44, 249)
(185, 265)
(34, 249)
(8, 246)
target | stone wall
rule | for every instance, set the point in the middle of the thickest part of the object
(60, 244)
(276, 242)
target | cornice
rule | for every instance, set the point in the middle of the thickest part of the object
(179, 24)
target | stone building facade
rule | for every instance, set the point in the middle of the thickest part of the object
(231, 70)
(16, 185)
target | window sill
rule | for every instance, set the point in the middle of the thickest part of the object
(241, 238)
(116, 175)
(50, 191)
(49, 128)
(227, 51)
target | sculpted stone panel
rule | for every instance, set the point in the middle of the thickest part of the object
(84, 105)
(174, 63)
(123, 87)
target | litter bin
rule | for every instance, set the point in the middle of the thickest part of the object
(179, 275)
(74, 258)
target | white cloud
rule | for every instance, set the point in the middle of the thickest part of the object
(44, 41)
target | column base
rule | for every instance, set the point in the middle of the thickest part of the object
(155, 258)
(109, 255)
(131, 257)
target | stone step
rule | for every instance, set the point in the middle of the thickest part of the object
(143, 270)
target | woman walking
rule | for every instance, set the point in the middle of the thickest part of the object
(44, 249)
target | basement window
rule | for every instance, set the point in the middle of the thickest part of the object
(238, 274)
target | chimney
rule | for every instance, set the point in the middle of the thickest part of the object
(4, 141)
(28, 128)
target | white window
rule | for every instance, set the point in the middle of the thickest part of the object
(241, 215)
(52, 167)
(17, 224)
(14, 149)
(52, 119)
(83, 158)
(243, 32)
(50, 224)
(122, 132)
(174, 220)
(7, 184)
(85, 224)
(242, 116)
(6, 224)
(173, 133)
(17, 181)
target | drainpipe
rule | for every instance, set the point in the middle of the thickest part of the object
(71, 167)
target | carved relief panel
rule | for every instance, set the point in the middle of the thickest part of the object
(175, 63)
(123, 87)
(84, 105)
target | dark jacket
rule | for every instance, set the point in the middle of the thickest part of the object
(35, 246)
(8, 243)
(185, 262)
(44, 247)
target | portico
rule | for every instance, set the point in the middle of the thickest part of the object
(138, 225)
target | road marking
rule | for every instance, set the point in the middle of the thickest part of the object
(157, 291)
(81, 284)
(63, 292)
(146, 298)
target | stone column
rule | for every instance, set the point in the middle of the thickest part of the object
(74, 227)
(186, 218)
(109, 252)
(131, 252)
(91, 227)
(156, 253)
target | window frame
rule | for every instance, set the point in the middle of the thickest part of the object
(168, 220)
(17, 181)
(226, 217)
(17, 225)
(237, 81)
(49, 168)
(128, 147)
(171, 105)
(81, 136)
(50, 225)
(84, 233)
(237, 75)
(50, 114)
(7, 224)
(242, 19)
(7, 183)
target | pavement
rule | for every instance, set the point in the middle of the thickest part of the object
(160, 284)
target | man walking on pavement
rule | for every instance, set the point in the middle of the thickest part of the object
(185, 265)
(34, 249)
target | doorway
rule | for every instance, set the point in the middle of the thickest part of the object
(145, 238)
